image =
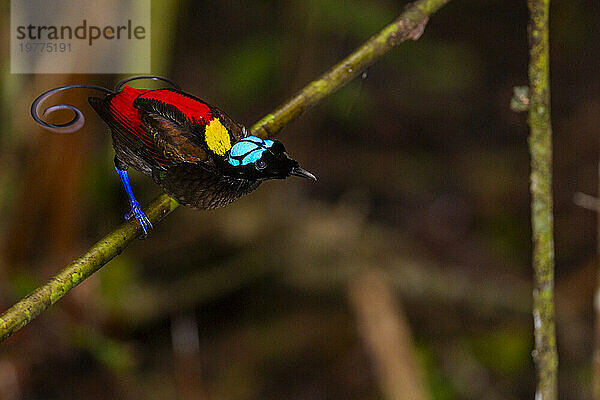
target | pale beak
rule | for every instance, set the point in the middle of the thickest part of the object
(297, 171)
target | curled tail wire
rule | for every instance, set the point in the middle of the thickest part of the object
(74, 124)
(78, 119)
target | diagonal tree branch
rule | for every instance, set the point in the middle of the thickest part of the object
(409, 25)
(540, 147)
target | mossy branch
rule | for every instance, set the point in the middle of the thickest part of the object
(409, 25)
(540, 147)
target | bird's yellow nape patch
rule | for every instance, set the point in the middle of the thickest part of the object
(217, 137)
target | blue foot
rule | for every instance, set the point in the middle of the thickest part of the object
(142, 218)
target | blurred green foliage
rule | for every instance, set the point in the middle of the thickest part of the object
(505, 351)
(247, 66)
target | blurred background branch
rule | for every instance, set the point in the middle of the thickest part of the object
(387, 335)
(592, 203)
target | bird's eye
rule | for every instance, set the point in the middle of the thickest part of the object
(260, 164)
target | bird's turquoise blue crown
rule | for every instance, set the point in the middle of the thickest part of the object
(248, 150)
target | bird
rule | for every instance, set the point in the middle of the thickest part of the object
(193, 150)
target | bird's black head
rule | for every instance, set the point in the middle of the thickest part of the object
(254, 158)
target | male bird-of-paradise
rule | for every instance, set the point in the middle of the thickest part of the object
(193, 150)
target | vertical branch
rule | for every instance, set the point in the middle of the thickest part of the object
(540, 147)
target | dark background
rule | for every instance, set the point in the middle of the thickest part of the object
(423, 174)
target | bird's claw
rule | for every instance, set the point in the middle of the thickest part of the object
(141, 217)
